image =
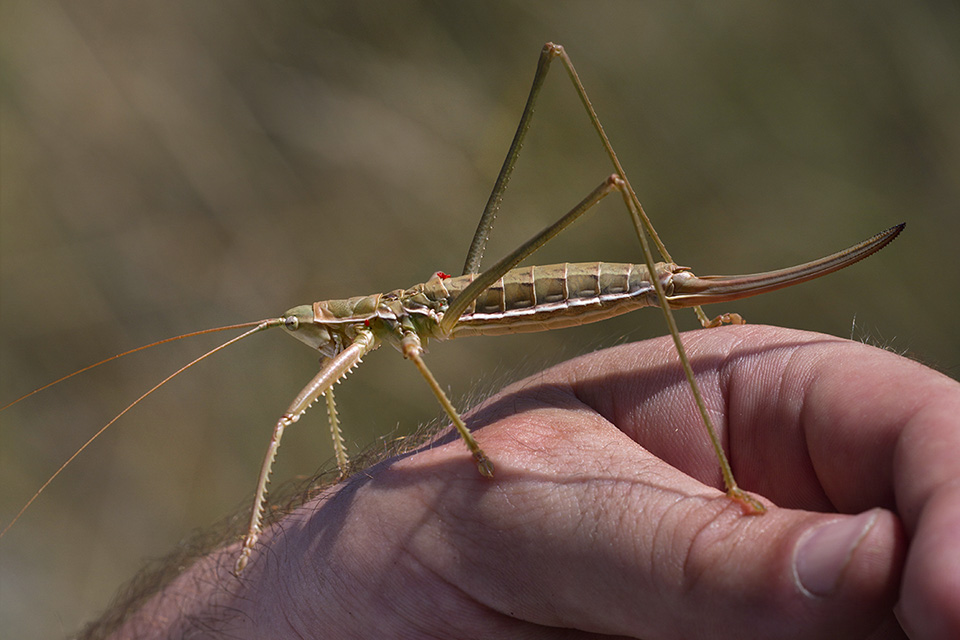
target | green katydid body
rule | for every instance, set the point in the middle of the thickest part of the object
(524, 300)
(540, 298)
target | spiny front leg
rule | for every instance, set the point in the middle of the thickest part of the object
(256, 516)
(332, 371)
(412, 348)
(339, 446)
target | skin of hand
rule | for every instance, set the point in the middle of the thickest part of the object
(603, 518)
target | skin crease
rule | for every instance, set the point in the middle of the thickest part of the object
(584, 532)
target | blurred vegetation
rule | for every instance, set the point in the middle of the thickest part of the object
(170, 165)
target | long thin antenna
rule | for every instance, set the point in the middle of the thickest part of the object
(243, 325)
(258, 326)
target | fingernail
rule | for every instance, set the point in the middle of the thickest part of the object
(824, 552)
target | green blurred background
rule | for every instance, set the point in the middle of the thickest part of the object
(169, 166)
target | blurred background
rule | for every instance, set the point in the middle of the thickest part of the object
(169, 166)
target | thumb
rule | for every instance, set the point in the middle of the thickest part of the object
(792, 573)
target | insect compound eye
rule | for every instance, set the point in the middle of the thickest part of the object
(291, 323)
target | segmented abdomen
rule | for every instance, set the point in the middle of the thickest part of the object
(539, 298)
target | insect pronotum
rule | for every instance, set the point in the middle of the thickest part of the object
(502, 299)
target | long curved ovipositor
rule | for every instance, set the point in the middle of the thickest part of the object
(690, 290)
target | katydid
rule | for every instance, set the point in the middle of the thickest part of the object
(506, 298)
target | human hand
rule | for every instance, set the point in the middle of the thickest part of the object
(604, 516)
